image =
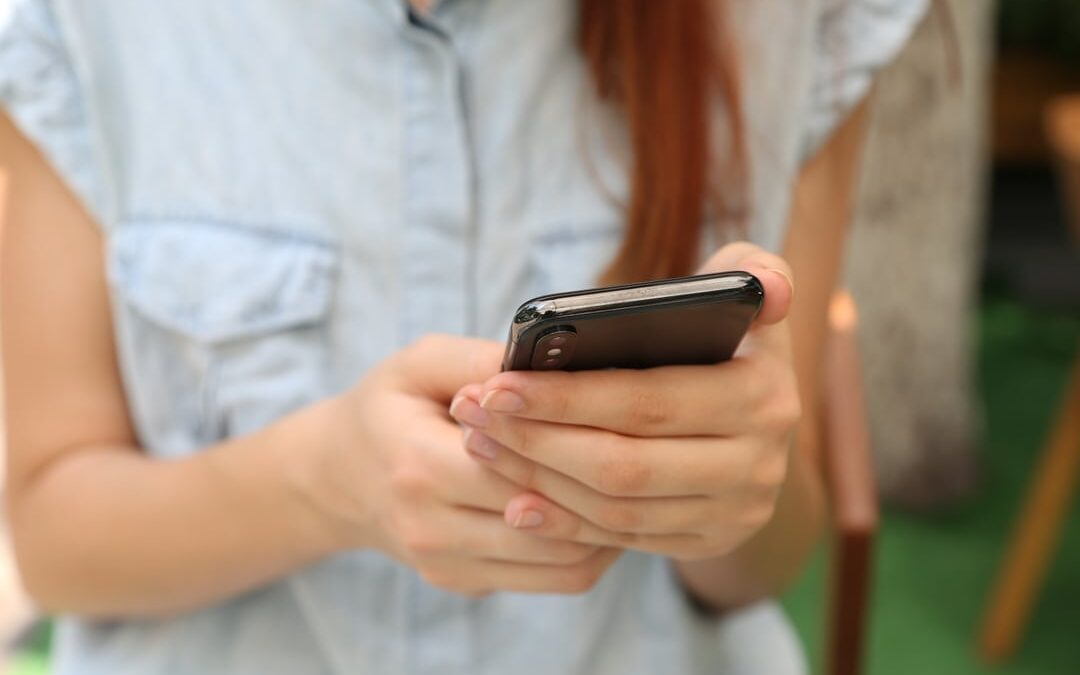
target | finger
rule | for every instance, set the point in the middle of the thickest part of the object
(720, 399)
(611, 463)
(527, 578)
(487, 535)
(769, 331)
(771, 270)
(437, 366)
(542, 517)
(614, 515)
(444, 470)
(472, 391)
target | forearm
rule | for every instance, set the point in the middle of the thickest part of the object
(111, 532)
(769, 561)
(820, 213)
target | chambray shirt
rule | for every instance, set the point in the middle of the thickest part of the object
(289, 192)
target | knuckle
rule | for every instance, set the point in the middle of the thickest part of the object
(623, 476)
(647, 408)
(410, 482)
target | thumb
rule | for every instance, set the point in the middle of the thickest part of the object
(437, 365)
(770, 269)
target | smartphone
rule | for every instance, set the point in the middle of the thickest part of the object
(688, 320)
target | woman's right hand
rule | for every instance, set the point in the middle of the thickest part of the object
(393, 476)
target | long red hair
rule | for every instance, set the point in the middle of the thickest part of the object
(665, 66)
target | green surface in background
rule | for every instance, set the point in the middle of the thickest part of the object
(933, 572)
(28, 663)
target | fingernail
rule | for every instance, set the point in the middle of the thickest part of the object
(479, 444)
(502, 400)
(787, 277)
(527, 519)
(466, 410)
(454, 405)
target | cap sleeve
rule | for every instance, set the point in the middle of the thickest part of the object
(855, 38)
(42, 95)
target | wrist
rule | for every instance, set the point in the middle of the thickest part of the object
(324, 509)
(300, 460)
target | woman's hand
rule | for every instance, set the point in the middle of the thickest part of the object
(106, 530)
(393, 477)
(687, 461)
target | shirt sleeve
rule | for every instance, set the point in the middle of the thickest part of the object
(854, 39)
(42, 95)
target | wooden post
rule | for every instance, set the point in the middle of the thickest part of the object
(1053, 483)
(1036, 532)
(849, 477)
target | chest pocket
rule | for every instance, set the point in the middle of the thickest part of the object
(221, 328)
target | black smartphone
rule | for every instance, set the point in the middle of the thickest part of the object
(688, 320)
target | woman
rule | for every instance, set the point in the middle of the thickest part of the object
(237, 444)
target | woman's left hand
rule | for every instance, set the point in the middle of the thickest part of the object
(685, 461)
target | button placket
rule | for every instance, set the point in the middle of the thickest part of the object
(435, 273)
(439, 191)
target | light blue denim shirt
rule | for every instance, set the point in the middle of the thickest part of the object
(290, 191)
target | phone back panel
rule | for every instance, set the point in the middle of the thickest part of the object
(698, 329)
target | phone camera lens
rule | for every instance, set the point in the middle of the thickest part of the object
(554, 349)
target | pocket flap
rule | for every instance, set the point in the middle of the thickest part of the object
(217, 282)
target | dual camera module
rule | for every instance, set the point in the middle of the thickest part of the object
(554, 349)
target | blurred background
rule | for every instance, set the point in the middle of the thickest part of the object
(963, 263)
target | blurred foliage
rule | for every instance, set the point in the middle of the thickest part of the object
(28, 663)
(40, 637)
(1048, 26)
